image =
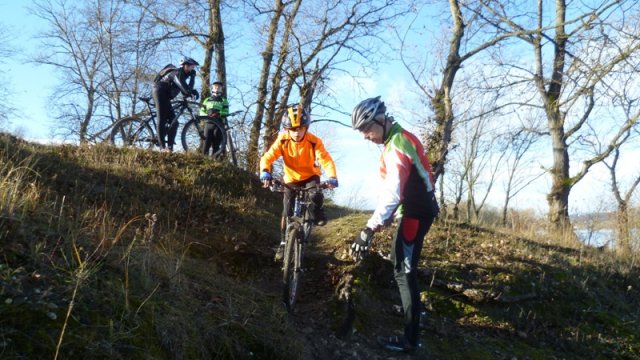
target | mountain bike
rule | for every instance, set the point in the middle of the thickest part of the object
(193, 137)
(297, 234)
(140, 130)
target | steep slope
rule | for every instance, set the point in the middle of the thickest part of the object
(109, 253)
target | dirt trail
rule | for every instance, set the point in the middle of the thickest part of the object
(318, 315)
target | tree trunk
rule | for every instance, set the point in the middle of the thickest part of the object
(558, 196)
(624, 233)
(443, 204)
(505, 210)
(273, 113)
(267, 57)
(84, 124)
(214, 50)
(218, 40)
(438, 142)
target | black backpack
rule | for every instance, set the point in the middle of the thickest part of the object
(165, 70)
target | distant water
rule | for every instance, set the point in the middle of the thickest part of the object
(597, 237)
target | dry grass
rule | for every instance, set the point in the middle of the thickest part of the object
(122, 254)
(107, 253)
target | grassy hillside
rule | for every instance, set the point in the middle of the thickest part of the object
(108, 253)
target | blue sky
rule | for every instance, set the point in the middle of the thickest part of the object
(31, 85)
(357, 160)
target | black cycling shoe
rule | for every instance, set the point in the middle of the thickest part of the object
(397, 344)
(424, 320)
(320, 219)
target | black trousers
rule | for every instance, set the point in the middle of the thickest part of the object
(212, 138)
(165, 115)
(406, 249)
(317, 198)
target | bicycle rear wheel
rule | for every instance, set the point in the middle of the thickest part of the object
(133, 132)
(231, 150)
(292, 270)
(193, 136)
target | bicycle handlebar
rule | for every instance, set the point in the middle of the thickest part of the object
(277, 186)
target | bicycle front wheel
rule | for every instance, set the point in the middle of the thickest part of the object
(292, 270)
(133, 132)
(193, 136)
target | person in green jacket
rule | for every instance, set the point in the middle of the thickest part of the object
(215, 108)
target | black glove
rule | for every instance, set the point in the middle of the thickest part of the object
(360, 245)
(214, 113)
(195, 94)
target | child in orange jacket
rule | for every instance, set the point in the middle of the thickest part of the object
(299, 150)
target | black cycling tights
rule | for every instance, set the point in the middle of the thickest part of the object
(165, 113)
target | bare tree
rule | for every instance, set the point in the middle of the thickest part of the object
(71, 47)
(623, 201)
(597, 44)
(518, 178)
(180, 23)
(265, 73)
(483, 166)
(463, 45)
(454, 180)
(122, 36)
(101, 51)
(310, 39)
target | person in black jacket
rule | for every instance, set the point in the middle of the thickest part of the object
(168, 86)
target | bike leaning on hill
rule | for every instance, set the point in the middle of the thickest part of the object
(297, 234)
(193, 137)
(139, 130)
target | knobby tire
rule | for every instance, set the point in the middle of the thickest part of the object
(292, 269)
(133, 132)
(231, 150)
(193, 136)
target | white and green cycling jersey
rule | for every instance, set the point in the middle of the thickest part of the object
(407, 178)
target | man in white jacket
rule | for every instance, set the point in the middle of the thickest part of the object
(407, 189)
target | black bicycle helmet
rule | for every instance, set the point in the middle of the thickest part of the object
(189, 61)
(366, 111)
(295, 116)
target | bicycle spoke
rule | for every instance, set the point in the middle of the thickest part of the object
(192, 136)
(133, 132)
(186, 112)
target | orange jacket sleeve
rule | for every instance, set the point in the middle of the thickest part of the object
(273, 154)
(325, 159)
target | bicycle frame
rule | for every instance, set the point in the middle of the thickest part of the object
(140, 130)
(151, 120)
(298, 232)
(185, 106)
(301, 213)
